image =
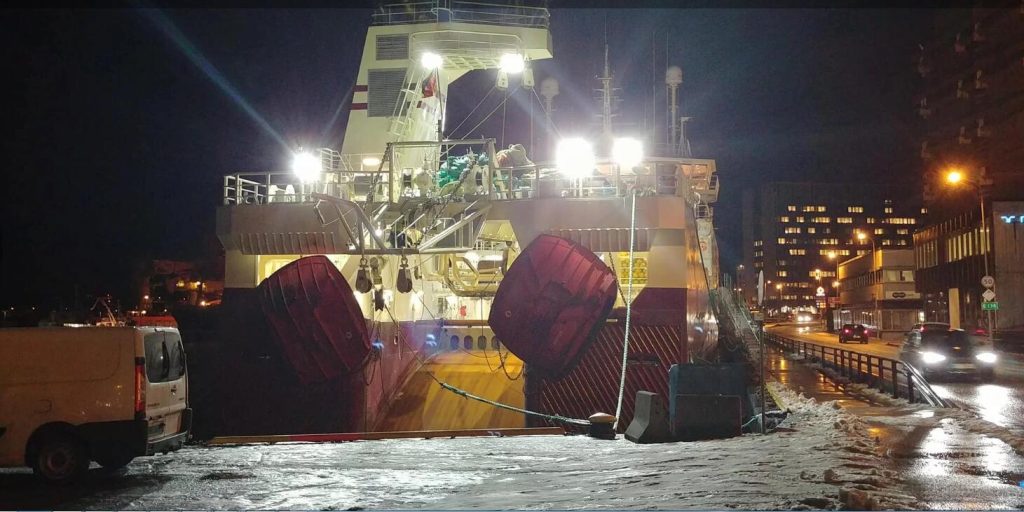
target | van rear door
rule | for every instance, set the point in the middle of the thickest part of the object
(167, 383)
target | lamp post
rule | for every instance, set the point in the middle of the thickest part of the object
(778, 288)
(955, 177)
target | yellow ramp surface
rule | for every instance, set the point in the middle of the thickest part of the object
(424, 405)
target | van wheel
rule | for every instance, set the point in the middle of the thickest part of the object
(61, 459)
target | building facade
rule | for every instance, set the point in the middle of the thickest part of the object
(791, 229)
(877, 289)
(951, 260)
(971, 105)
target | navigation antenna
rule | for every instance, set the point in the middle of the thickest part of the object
(606, 91)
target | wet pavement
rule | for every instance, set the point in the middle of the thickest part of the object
(946, 466)
(1001, 401)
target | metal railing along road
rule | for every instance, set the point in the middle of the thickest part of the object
(890, 376)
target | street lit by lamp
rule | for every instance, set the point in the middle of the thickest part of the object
(306, 167)
(431, 60)
(575, 158)
(512, 63)
(627, 152)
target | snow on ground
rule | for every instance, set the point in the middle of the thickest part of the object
(968, 420)
(819, 458)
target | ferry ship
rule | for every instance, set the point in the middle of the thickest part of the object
(364, 277)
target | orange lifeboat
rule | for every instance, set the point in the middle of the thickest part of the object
(551, 303)
(313, 313)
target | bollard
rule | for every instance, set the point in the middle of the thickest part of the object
(602, 426)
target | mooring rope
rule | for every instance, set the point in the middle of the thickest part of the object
(629, 301)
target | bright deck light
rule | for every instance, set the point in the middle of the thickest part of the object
(628, 153)
(371, 161)
(512, 63)
(431, 60)
(306, 167)
(575, 158)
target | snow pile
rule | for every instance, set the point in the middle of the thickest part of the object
(864, 485)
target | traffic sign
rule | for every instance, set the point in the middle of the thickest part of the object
(988, 281)
(990, 306)
(988, 295)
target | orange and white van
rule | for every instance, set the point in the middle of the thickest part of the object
(71, 395)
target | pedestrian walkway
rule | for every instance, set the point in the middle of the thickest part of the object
(940, 462)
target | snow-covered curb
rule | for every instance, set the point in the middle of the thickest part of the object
(864, 485)
(966, 419)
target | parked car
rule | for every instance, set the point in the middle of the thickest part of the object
(851, 332)
(71, 395)
(937, 353)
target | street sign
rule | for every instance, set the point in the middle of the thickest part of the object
(990, 306)
(821, 291)
(988, 281)
(988, 295)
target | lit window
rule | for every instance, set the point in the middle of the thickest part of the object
(822, 220)
(879, 231)
(800, 219)
(781, 241)
(811, 230)
(888, 202)
(784, 219)
(791, 208)
(888, 209)
(855, 209)
(902, 231)
(792, 230)
(797, 252)
(782, 273)
(924, 211)
(844, 220)
(810, 208)
(821, 209)
(886, 242)
(758, 243)
(871, 220)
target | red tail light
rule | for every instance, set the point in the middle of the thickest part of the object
(140, 387)
(846, 331)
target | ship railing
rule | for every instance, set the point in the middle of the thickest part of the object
(461, 12)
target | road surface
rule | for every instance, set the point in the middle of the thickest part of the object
(1001, 402)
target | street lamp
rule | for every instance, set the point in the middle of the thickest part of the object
(955, 177)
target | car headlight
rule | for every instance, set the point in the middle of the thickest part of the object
(932, 357)
(986, 357)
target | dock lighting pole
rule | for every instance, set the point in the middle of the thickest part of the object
(673, 79)
(955, 177)
(575, 159)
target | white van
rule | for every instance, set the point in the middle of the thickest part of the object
(71, 395)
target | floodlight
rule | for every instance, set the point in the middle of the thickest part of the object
(512, 63)
(627, 152)
(431, 60)
(575, 158)
(307, 167)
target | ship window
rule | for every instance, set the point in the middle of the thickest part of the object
(383, 89)
(392, 46)
(454, 343)
(481, 342)
(495, 344)
(467, 342)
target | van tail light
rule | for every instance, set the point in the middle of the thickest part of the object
(140, 388)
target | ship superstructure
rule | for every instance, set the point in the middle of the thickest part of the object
(361, 279)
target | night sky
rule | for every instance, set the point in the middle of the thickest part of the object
(120, 140)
